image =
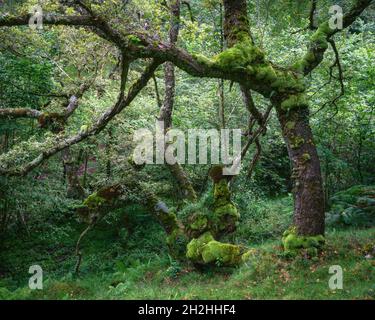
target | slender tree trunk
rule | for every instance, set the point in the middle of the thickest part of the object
(221, 111)
(85, 170)
(74, 188)
(308, 191)
(108, 148)
(167, 108)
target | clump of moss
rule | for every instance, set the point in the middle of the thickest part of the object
(239, 56)
(228, 209)
(221, 193)
(221, 253)
(319, 43)
(296, 142)
(195, 247)
(167, 219)
(290, 125)
(288, 81)
(206, 250)
(305, 157)
(264, 72)
(203, 59)
(319, 38)
(225, 214)
(199, 223)
(134, 40)
(294, 101)
(248, 255)
(294, 243)
(94, 201)
(176, 242)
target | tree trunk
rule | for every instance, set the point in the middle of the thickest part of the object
(74, 188)
(308, 191)
(167, 109)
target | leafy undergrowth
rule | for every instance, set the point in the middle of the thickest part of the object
(267, 275)
(125, 257)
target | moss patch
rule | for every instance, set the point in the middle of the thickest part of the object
(94, 201)
(294, 243)
(221, 253)
(239, 56)
(294, 101)
(305, 157)
(195, 247)
(296, 142)
(206, 250)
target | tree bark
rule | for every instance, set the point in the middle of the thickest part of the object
(167, 109)
(308, 187)
(74, 188)
(308, 191)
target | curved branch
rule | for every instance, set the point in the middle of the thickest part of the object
(319, 41)
(16, 113)
(97, 127)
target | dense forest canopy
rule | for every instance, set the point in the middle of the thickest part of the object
(79, 80)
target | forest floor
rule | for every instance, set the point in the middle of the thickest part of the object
(135, 266)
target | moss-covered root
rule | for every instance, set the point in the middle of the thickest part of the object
(294, 243)
(206, 250)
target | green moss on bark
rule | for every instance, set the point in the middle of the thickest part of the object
(294, 101)
(94, 201)
(206, 250)
(296, 142)
(294, 243)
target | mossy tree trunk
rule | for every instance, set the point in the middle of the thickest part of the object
(308, 188)
(306, 173)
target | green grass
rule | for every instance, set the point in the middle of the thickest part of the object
(125, 257)
(268, 275)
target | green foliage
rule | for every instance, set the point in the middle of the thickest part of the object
(354, 206)
(126, 256)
